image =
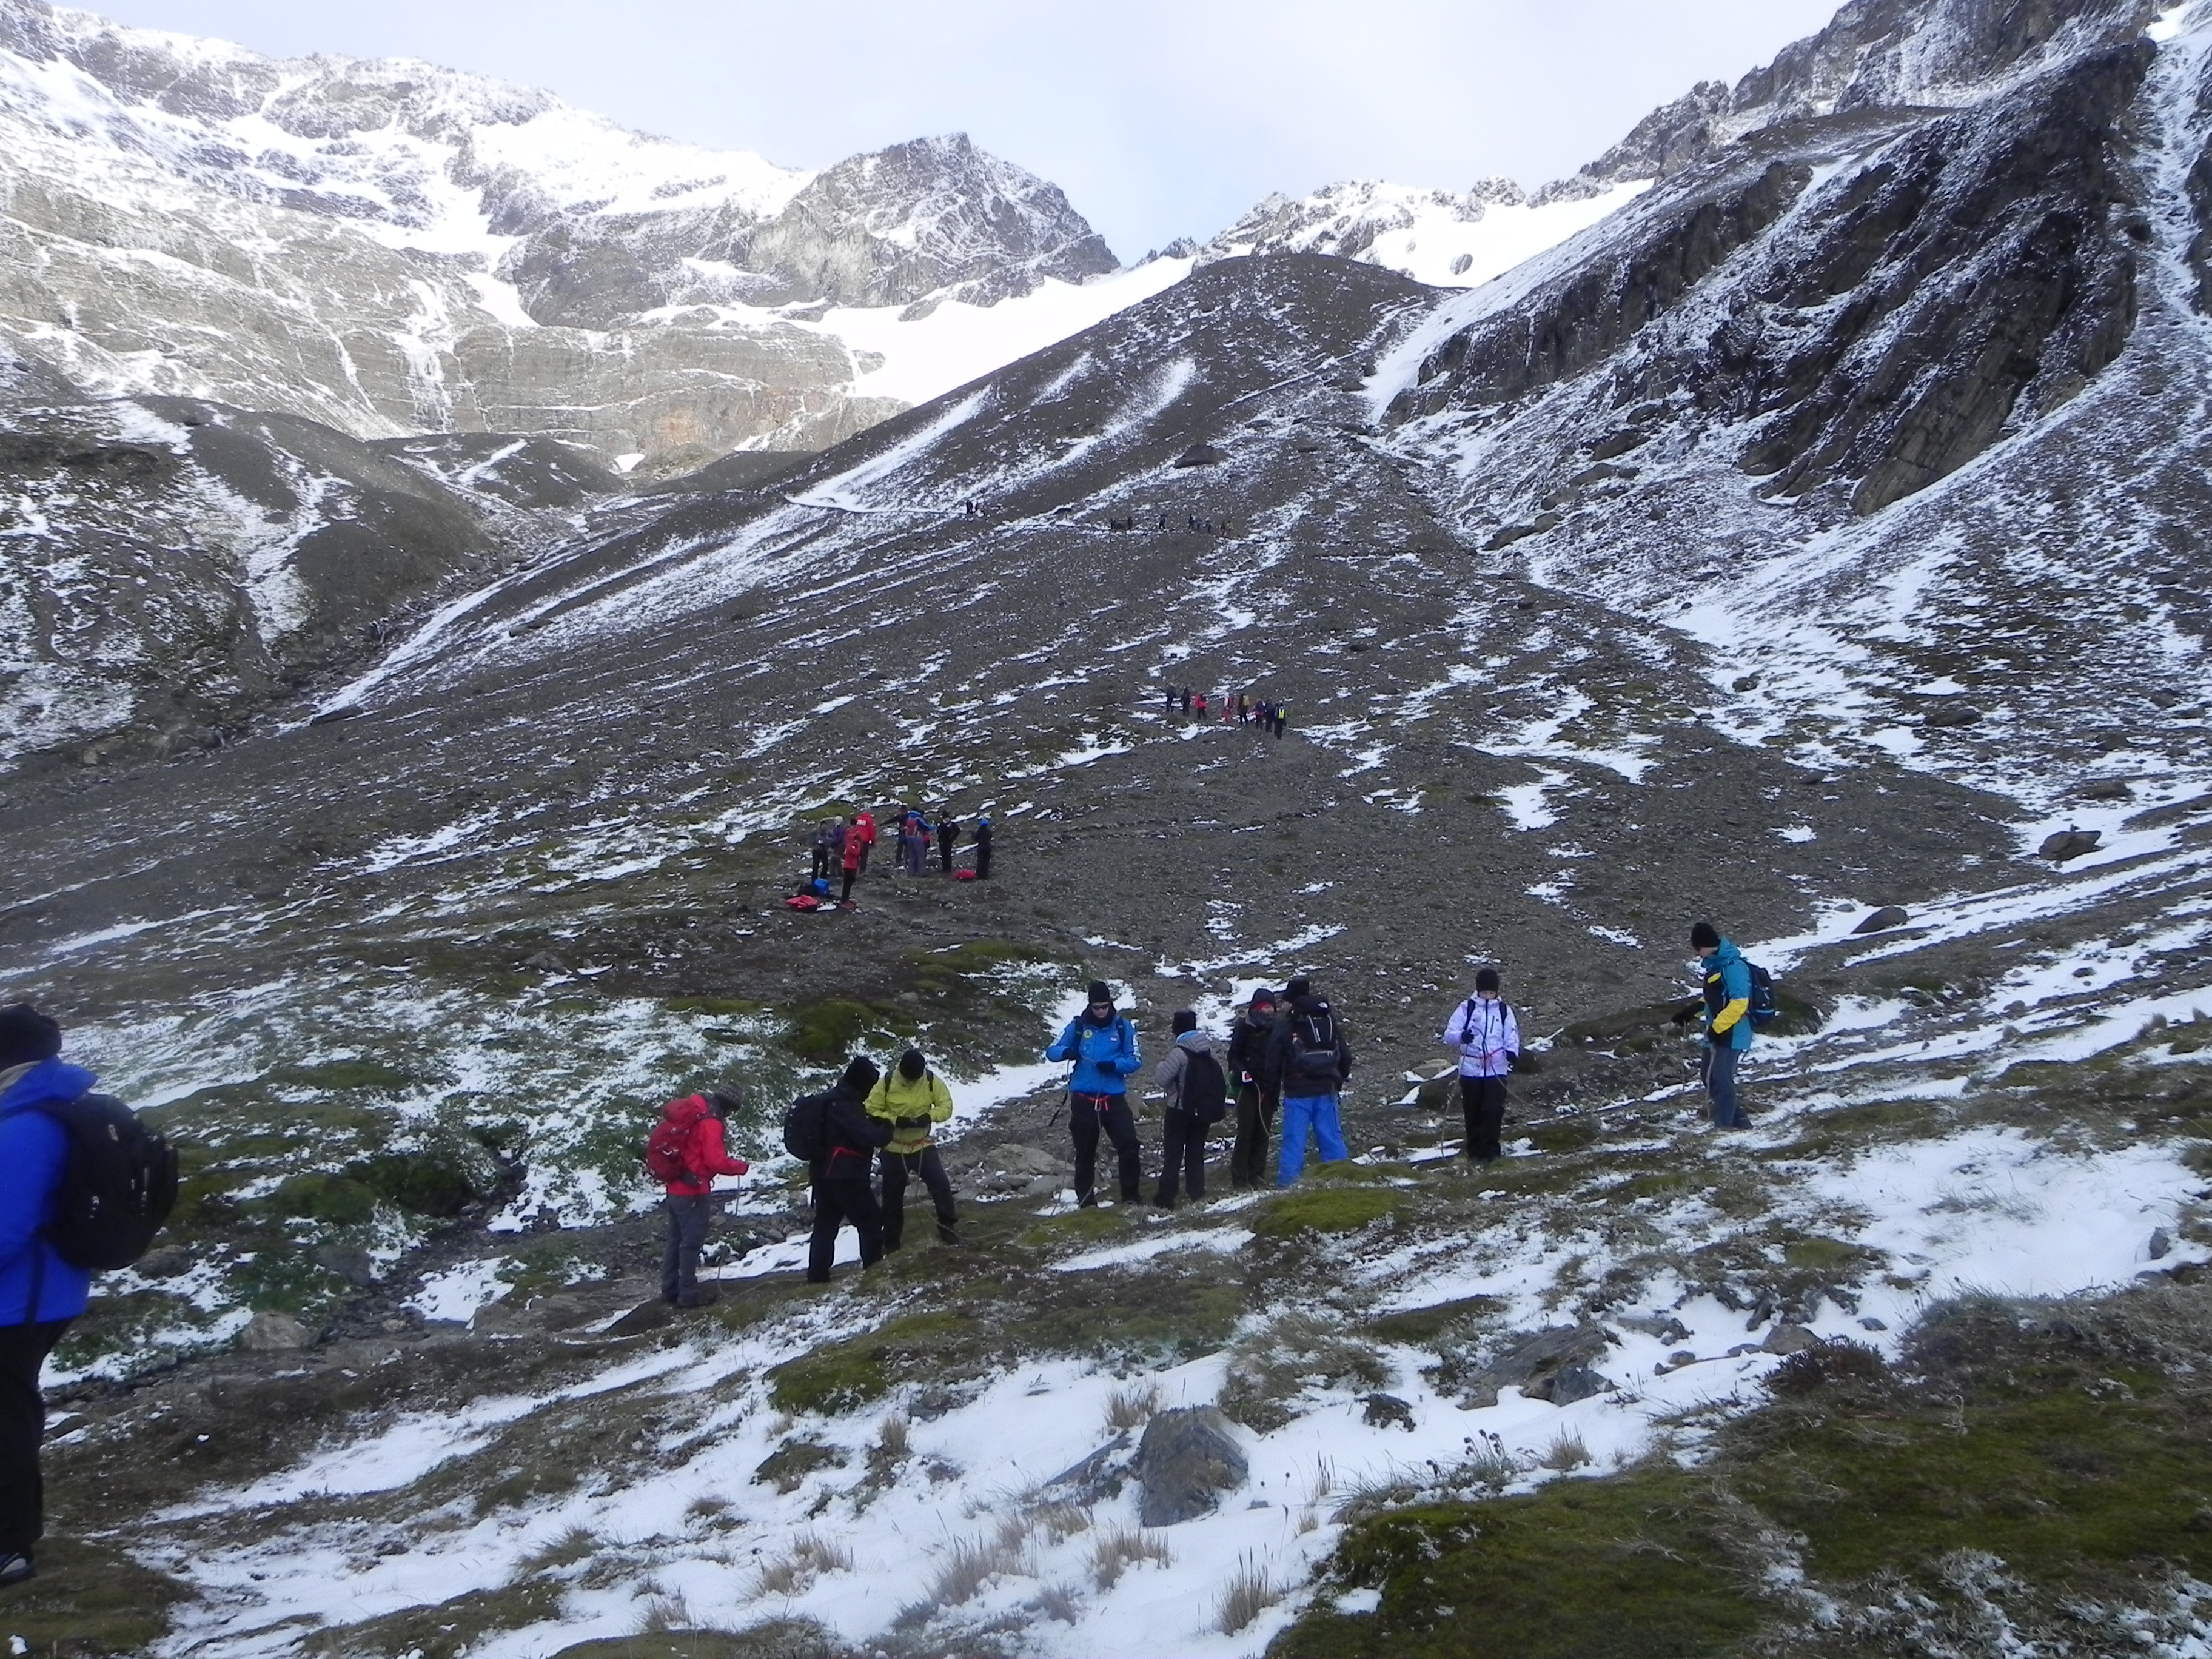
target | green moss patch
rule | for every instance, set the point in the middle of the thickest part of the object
(89, 1602)
(1420, 1325)
(1325, 1210)
(1629, 1568)
(779, 1638)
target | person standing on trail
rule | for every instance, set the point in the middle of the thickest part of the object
(825, 848)
(1103, 1046)
(686, 1153)
(840, 1175)
(1488, 1037)
(1279, 717)
(40, 1292)
(864, 826)
(1183, 697)
(1199, 706)
(1726, 1006)
(913, 1099)
(1197, 1098)
(948, 838)
(1314, 1061)
(1259, 1090)
(983, 847)
(853, 860)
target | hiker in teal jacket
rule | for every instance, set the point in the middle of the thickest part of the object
(1728, 1022)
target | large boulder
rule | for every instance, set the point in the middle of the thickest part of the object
(1187, 1459)
(1881, 920)
(2068, 844)
(1556, 1365)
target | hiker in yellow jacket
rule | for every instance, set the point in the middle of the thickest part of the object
(913, 1099)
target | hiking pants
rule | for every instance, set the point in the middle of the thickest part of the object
(849, 1198)
(1719, 1072)
(1183, 1153)
(1482, 1100)
(845, 897)
(931, 1168)
(1255, 1117)
(1302, 1114)
(945, 843)
(1087, 1116)
(23, 1350)
(687, 1216)
(821, 864)
(982, 861)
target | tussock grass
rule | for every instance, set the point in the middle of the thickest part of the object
(1132, 1407)
(810, 1556)
(1251, 1590)
(971, 1563)
(892, 1438)
(1120, 1547)
(1061, 1521)
(1270, 1369)
(1063, 1603)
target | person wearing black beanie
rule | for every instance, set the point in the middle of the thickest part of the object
(1103, 1046)
(1725, 1002)
(41, 1290)
(1487, 1035)
(913, 1100)
(842, 1192)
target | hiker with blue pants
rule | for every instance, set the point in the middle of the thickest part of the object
(1727, 1008)
(1310, 1055)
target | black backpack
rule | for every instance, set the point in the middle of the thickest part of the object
(806, 1127)
(1205, 1089)
(118, 1187)
(1313, 1043)
(1761, 1007)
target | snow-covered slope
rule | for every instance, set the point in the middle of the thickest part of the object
(1434, 236)
(389, 247)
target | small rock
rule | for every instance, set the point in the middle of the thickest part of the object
(2160, 1243)
(1201, 455)
(1789, 1338)
(1569, 1383)
(646, 1316)
(1187, 1459)
(1553, 1365)
(2068, 844)
(1890, 916)
(1870, 1323)
(1952, 713)
(2108, 789)
(271, 1332)
(354, 1266)
(1386, 1409)
(545, 963)
(170, 1261)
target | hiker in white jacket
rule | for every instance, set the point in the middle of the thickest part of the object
(1488, 1038)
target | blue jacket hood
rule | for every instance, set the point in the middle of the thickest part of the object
(50, 1079)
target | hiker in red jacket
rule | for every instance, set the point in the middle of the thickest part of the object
(864, 826)
(856, 855)
(695, 1123)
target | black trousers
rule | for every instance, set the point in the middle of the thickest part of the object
(851, 875)
(1087, 1115)
(688, 1217)
(1255, 1117)
(1182, 1152)
(23, 1350)
(836, 1202)
(1482, 1101)
(944, 847)
(821, 864)
(982, 861)
(896, 1166)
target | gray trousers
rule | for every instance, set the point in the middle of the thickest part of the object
(686, 1235)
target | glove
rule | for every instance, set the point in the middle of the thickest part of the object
(910, 1122)
(1512, 1060)
(743, 1168)
(1682, 1018)
(1713, 1035)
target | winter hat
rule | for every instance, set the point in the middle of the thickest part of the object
(1485, 979)
(1184, 1020)
(1101, 992)
(1703, 935)
(722, 1102)
(860, 1074)
(912, 1065)
(1300, 987)
(26, 1036)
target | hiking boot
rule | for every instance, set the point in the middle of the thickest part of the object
(14, 1569)
(947, 1235)
(706, 1299)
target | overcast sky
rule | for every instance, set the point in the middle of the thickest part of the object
(1159, 117)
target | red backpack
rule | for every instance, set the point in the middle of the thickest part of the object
(668, 1148)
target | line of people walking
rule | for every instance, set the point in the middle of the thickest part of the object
(1244, 707)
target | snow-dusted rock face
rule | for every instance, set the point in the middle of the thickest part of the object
(389, 247)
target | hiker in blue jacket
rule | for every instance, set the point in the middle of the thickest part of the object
(1103, 1046)
(1727, 1009)
(40, 1292)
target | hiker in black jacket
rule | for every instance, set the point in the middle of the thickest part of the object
(841, 1189)
(1259, 1089)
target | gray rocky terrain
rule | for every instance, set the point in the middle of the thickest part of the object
(1809, 545)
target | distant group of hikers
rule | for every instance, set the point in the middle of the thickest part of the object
(844, 844)
(1244, 707)
(1286, 1052)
